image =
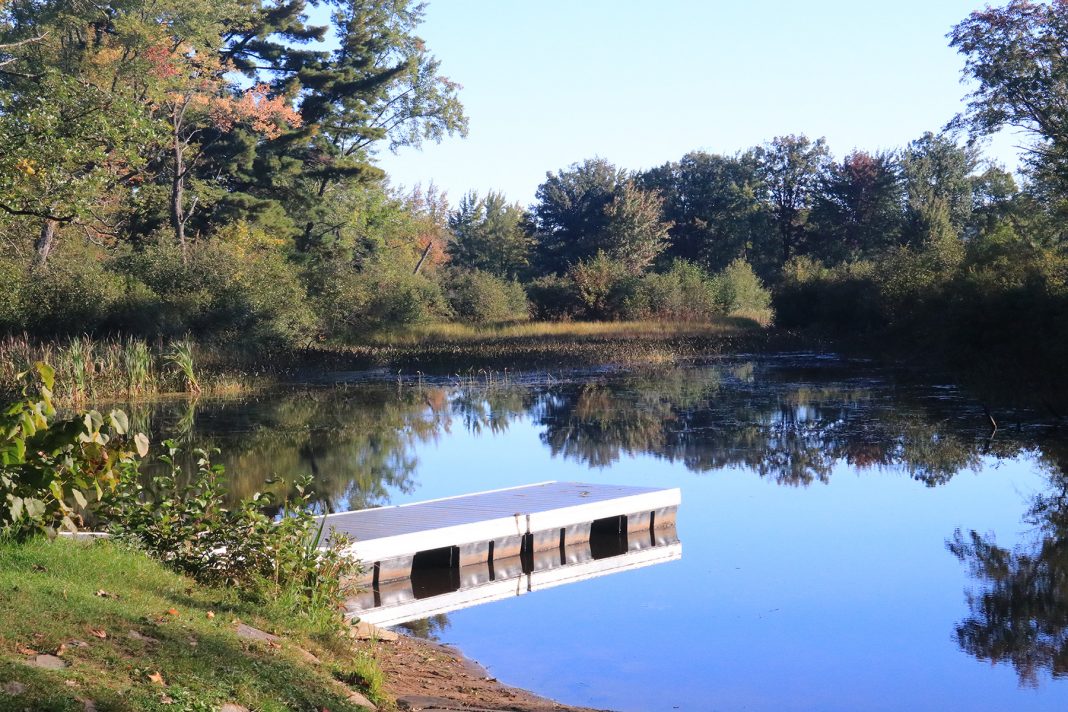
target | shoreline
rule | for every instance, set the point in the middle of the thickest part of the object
(428, 675)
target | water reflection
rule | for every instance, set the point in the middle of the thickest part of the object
(1019, 612)
(792, 422)
(781, 424)
(436, 589)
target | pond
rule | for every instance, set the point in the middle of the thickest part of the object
(851, 539)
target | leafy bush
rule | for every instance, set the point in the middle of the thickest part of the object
(841, 298)
(66, 474)
(739, 292)
(189, 528)
(684, 293)
(54, 474)
(76, 294)
(554, 298)
(480, 297)
(13, 278)
(604, 286)
(353, 303)
(225, 286)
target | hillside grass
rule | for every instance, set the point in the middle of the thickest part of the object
(137, 637)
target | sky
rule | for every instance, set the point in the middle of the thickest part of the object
(553, 82)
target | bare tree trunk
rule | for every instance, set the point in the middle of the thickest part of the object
(44, 244)
(423, 258)
(177, 201)
(178, 216)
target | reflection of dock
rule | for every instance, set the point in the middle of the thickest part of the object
(431, 557)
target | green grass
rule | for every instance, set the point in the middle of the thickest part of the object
(55, 593)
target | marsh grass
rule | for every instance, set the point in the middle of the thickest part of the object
(564, 331)
(132, 619)
(107, 368)
(137, 361)
(104, 368)
(180, 357)
(549, 347)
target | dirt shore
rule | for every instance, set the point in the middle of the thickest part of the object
(425, 675)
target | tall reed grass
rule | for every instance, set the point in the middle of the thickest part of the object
(89, 368)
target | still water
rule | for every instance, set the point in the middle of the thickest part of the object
(852, 541)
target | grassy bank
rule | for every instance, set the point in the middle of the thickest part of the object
(134, 636)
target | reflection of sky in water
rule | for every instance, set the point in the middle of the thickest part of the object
(839, 595)
(835, 596)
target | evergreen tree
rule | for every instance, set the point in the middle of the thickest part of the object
(490, 234)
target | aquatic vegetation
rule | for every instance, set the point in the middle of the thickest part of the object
(181, 357)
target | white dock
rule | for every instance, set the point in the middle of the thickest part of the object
(404, 600)
(426, 548)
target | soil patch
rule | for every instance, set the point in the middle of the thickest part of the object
(424, 675)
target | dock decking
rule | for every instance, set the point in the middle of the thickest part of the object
(506, 531)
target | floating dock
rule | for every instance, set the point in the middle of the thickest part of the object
(470, 549)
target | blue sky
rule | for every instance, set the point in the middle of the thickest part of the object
(552, 82)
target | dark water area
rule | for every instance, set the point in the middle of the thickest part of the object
(851, 540)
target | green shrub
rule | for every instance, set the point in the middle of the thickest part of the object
(77, 294)
(684, 293)
(187, 525)
(13, 288)
(554, 298)
(223, 288)
(54, 474)
(739, 292)
(845, 299)
(604, 286)
(67, 474)
(480, 297)
(353, 303)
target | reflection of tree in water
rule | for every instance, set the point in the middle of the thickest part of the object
(357, 443)
(427, 628)
(789, 425)
(1019, 614)
(786, 424)
(787, 430)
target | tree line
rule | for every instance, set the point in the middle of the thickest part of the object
(210, 168)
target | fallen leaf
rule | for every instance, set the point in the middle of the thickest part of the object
(22, 649)
(167, 700)
(104, 594)
(172, 611)
(98, 632)
(156, 678)
(211, 615)
(61, 649)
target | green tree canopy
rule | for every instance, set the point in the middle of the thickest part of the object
(793, 169)
(714, 204)
(1016, 56)
(490, 234)
(594, 207)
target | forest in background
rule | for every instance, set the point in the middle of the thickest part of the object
(207, 169)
